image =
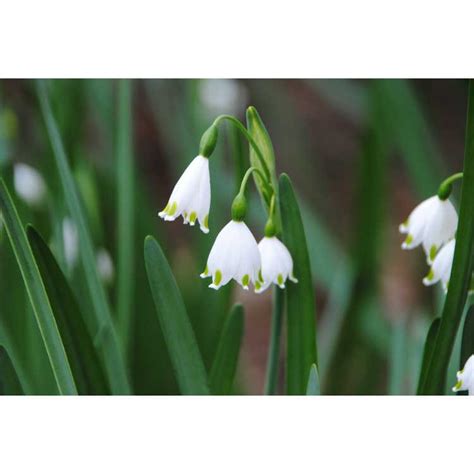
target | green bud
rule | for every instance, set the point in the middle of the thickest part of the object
(270, 228)
(444, 191)
(239, 208)
(208, 141)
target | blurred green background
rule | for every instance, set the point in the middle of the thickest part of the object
(361, 154)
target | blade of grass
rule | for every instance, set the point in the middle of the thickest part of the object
(88, 374)
(428, 352)
(9, 381)
(313, 387)
(221, 377)
(125, 212)
(179, 336)
(301, 310)
(37, 295)
(113, 358)
(462, 266)
(271, 379)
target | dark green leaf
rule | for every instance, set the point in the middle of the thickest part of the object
(9, 381)
(174, 321)
(224, 366)
(37, 295)
(313, 387)
(428, 352)
(301, 311)
(112, 355)
(84, 361)
(467, 346)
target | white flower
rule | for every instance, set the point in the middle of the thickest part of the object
(277, 264)
(29, 184)
(105, 266)
(191, 196)
(441, 268)
(234, 255)
(432, 223)
(466, 377)
(70, 241)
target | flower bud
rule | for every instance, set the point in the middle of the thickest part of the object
(208, 141)
(239, 208)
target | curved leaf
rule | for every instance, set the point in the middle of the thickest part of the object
(428, 352)
(178, 333)
(85, 364)
(224, 366)
(301, 311)
(9, 382)
(37, 295)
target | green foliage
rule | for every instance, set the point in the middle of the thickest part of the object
(221, 377)
(174, 321)
(9, 382)
(313, 387)
(301, 311)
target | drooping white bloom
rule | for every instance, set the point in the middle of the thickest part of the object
(466, 377)
(105, 265)
(277, 264)
(70, 241)
(441, 268)
(432, 223)
(191, 196)
(234, 255)
(29, 184)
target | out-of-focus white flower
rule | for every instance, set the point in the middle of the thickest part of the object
(442, 265)
(432, 223)
(191, 196)
(466, 377)
(234, 255)
(277, 264)
(223, 96)
(105, 266)
(29, 184)
(70, 241)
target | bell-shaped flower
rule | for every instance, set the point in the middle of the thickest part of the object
(466, 377)
(234, 255)
(442, 264)
(277, 264)
(191, 196)
(432, 223)
(29, 184)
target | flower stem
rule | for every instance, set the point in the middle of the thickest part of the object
(446, 186)
(462, 268)
(249, 138)
(246, 177)
(271, 378)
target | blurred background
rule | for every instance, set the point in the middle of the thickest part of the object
(361, 154)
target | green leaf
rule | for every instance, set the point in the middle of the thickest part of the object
(461, 272)
(37, 295)
(125, 212)
(313, 387)
(112, 356)
(9, 382)
(85, 364)
(262, 139)
(174, 321)
(301, 311)
(428, 352)
(224, 366)
(467, 346)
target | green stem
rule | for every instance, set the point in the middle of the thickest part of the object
(462, 268)
(246, 177)
(446, 186)
(249, 138)
(271, 379)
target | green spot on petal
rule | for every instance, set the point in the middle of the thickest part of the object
(280, 279)
(409, 239)
(206, 271)
(206, 221)
(430, 275)
(258, 285)
(173, 208)
(433, 251)
(260, 276)
(458, 385)
(217, 277)
(245, 280)
(193, 217)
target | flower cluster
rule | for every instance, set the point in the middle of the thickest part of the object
(235, 254)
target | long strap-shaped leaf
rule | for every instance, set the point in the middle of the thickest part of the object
(224, 366)
(113, 359)
(88, 374)
(462, 266)
(37, 295)
(301, 311)
(9, 381)
(428, 352)
(178, 333)
(467, 346)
